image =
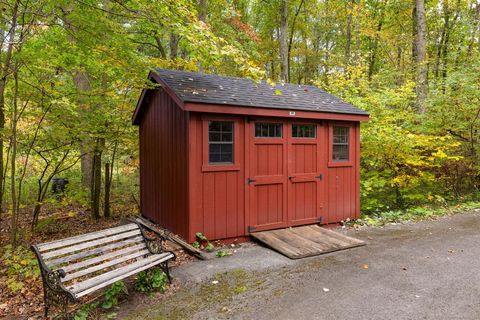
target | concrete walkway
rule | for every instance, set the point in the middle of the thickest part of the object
(426, 270)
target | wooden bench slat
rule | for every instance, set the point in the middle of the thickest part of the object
(101, 257)
(82, 288)
(105, 265)
(89, 244)
(99, 250)
(85, 237)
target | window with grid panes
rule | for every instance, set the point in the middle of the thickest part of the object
(341, 140)
(268, 130)
(220, 142)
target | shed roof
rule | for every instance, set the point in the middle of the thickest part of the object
(214, 89)
(206, 90)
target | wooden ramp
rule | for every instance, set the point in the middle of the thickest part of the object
(306, 241)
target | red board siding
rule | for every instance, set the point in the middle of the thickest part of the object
(163, 163)
(217, 193)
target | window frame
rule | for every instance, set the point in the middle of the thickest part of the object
(315, 129)
(207, 166)
(351, 145)
(282, 129)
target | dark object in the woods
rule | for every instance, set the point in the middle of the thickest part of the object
(75, 267)
(58, 185)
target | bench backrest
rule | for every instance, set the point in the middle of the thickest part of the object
(93, 252)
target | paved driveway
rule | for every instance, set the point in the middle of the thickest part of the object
(427, 270)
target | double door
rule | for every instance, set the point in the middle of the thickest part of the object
(285, 174)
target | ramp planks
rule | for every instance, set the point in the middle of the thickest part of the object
(306, 241)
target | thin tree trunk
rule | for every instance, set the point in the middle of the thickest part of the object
(357, 32)
(292, 33)
(174, 45)
(373, 57)
(283, 39)
(96, 178)
(3, 84)
(348, 34)
(202, 10)
(422, 71)
(108, 181)
(414, 35)
(13, 168)
(82, 83)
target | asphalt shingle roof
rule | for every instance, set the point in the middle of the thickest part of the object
(213, 89)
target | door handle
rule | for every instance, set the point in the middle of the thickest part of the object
(320, 177)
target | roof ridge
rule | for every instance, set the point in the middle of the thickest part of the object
(238, 78)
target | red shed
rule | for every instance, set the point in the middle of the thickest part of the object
(228, 156)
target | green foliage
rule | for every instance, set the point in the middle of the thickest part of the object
(110, 299)
(21, 267)
(416, 213)
(111, 295)
(85, 311)
(203, 243)
(201, 237)
(222, 253)
(210, 247)
(153, 279)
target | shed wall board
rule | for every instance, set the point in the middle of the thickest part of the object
(163, 159)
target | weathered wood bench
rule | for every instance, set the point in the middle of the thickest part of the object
(74, 267)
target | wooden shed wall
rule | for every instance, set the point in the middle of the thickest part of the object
(163, 163)
(217, 196)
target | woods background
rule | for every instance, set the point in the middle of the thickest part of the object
(71, 72)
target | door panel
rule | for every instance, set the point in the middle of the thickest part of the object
(305, 188)
(285, 186)
(267, 180)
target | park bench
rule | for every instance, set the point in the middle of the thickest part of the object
(75, 267)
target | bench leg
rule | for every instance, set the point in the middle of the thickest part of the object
(167, 271)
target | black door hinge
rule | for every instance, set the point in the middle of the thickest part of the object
(250, 229)
(320, 177)
(250, 180)
(319, 219)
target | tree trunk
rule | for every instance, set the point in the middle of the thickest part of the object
(3, 84)
(475, 29)
(283, 38)
(108, 182)
(290, 41)
(13, 173)
(174, 45)
(373, 57)
(421, 76)
(348, 34)
(357, 32)
(414, 35)
(96, 173)
(82, 83)
(202, 10)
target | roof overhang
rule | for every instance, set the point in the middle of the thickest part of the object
(146, 92)
(270, 112)
(237, 110)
